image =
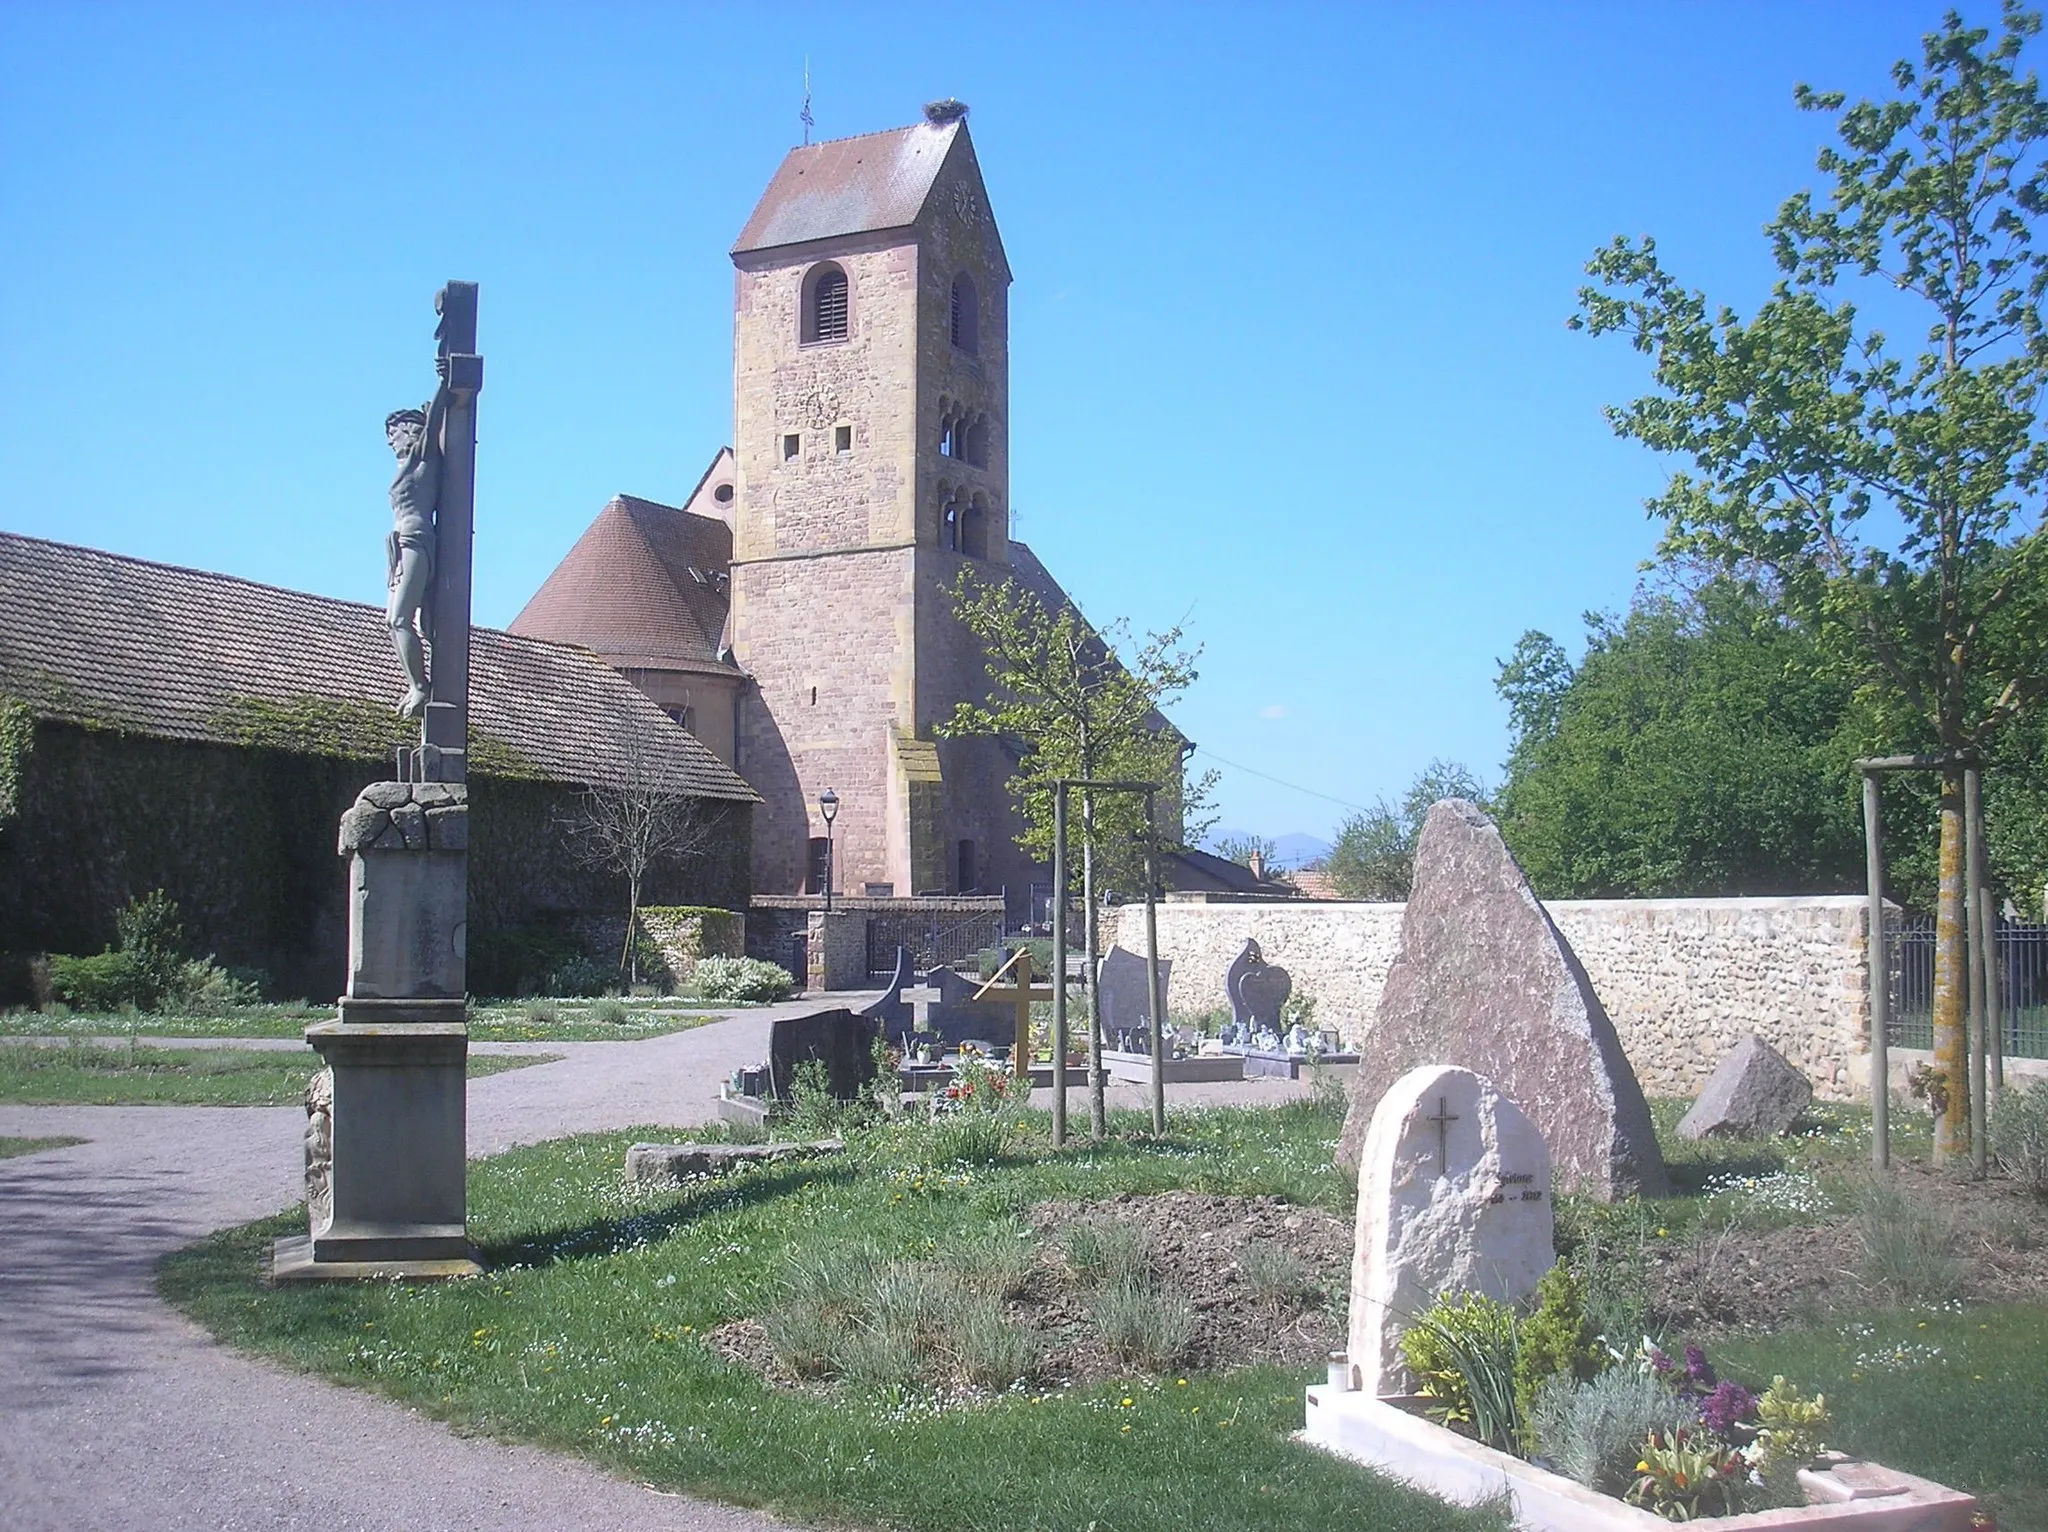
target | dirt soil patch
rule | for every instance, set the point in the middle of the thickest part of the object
(1195, 1247)
(1726, 1276)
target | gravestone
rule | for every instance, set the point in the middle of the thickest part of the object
(1257, 990)
(843, 1042)
(945, 1012)
(890, 1008)
(1453, 1196)
(1486, 981)
(1126, 1006)
(1756, 1092)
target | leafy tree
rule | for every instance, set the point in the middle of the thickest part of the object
(1242, 848)
(1890, 494)
(1374, 853)
(1697, 749)
(1077, 701)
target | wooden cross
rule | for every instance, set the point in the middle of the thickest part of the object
(1443, 1121)
(1020, 991)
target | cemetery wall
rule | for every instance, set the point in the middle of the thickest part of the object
(244, 840)
(1683, 979)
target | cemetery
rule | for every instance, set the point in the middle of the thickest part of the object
(643, 1173)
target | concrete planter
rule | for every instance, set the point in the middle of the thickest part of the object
(1845, 1496)
(1137, 1068)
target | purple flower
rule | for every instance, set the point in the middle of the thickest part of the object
(1660, 1364)
(1698, 1375)
(1725, 1406)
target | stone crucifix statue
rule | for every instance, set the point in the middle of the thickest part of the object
(415, 437)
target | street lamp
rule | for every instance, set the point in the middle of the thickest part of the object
(828, 805)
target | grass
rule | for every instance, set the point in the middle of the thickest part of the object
(587, 1334)
(606, 1020)
(1952, 1393)
(82, 1074)
(12, 1147)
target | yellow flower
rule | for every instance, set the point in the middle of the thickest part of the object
(1127, 1404)
(1180, 1382)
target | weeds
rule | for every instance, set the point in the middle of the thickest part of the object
(991, 1351)
(1106, 1254)
(2019, 1134)
(1908, 1244)
(611, 1011)
(1143, 1327)
(995, 1260)
(1276, 1277)
(541, 1013)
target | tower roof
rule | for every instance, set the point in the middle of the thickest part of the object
(847, 186)
(645, 586)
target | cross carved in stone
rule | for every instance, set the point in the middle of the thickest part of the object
(922, 998)
(1443, 1119)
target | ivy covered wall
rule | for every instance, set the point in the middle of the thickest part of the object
(244, 839)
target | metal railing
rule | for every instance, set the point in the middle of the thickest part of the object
(2022, 959)
(935, 940)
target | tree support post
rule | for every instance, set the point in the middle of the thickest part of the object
(1880, 975)
(1156, 1000)
(1059, 964)
(1974, 903)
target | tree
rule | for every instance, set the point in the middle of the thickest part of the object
(1076, 701)
(1374, 854)
(1892, 498)
(639, 821)
(1242, 848)
(1702, 746)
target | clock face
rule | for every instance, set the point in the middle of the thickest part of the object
(966, 204)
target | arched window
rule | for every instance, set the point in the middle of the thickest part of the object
(974, 530)
(976, 445)
(949, 527)
(949, 437)
(966, 315)
(824, 303)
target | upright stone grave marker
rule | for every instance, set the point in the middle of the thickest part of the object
(1125, 1005)
(1453, 1196)
(1485, 980)
(389, 1198)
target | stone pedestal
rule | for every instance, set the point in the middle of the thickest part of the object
(386, 1154)
(836, 946)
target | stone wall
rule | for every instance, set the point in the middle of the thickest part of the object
(1683, 979)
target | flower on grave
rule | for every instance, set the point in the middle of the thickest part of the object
(1726, 1407)
(1699, 1377)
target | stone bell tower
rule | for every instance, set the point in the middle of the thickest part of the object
(871, 437)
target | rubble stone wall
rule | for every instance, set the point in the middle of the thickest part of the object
(1683, 979)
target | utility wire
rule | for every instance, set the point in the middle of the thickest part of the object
(1281, 782)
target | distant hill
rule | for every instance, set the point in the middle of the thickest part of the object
(1294, 849)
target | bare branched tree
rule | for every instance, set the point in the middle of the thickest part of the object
(641, 820)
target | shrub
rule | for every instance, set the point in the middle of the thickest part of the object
(541, 1013)
(744, 979)
(1557, 1340)
(204, 987)
(1277, 1277)
(989, 959)
(1908, 1244)
(1106, 1254)
(2019, 1134)
(611, 1011)
(1790, 1433)
(1462, 1351)
(989, 1350)
(995, 1260)
(1593, 1431)
(102, 983)
(812, 1111)
(580, 977)
(152, 934)
(1142, 1327)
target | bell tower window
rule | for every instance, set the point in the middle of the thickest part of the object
(825, 294)
(966, 317)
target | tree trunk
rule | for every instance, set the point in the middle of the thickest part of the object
(1951, 1024)
(629, 958)
(1098, 1108)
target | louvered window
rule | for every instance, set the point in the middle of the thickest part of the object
(966, 315)
(828, 306)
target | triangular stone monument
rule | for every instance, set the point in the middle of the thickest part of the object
(1486, 981)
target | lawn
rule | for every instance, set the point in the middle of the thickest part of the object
(81, 1074)
(589, 1333)
(511, 1021)
(11, 1147)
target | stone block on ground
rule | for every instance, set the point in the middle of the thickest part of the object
(1453, 1196)
(1485, 980)
(668, 1165)
(1755, 1092)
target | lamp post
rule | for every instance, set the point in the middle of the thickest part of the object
(828, 805)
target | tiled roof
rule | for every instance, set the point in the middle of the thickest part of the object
(1033, 576)
(645, 586)
(99, 639)
(850, 186)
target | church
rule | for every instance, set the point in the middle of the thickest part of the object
(794, 612)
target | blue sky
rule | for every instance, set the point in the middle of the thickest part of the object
(1289, 355)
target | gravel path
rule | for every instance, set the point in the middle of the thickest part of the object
(118, 1414)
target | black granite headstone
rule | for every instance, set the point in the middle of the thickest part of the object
(839, 1039)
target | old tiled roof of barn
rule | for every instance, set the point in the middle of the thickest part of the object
(645, 585)
(106, 641)
(861, 185)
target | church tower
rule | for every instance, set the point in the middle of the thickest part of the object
(871, 441)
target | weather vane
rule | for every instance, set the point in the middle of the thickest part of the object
(805, 116)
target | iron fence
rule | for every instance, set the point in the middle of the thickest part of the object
(935, 940)
(2022, 961)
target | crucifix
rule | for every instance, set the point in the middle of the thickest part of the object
(1019, 990)
(1443, 1120)
(922, 998)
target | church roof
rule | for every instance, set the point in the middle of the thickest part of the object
(1031, 574)
(109, 642)
(850, 186)
(644, 587)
